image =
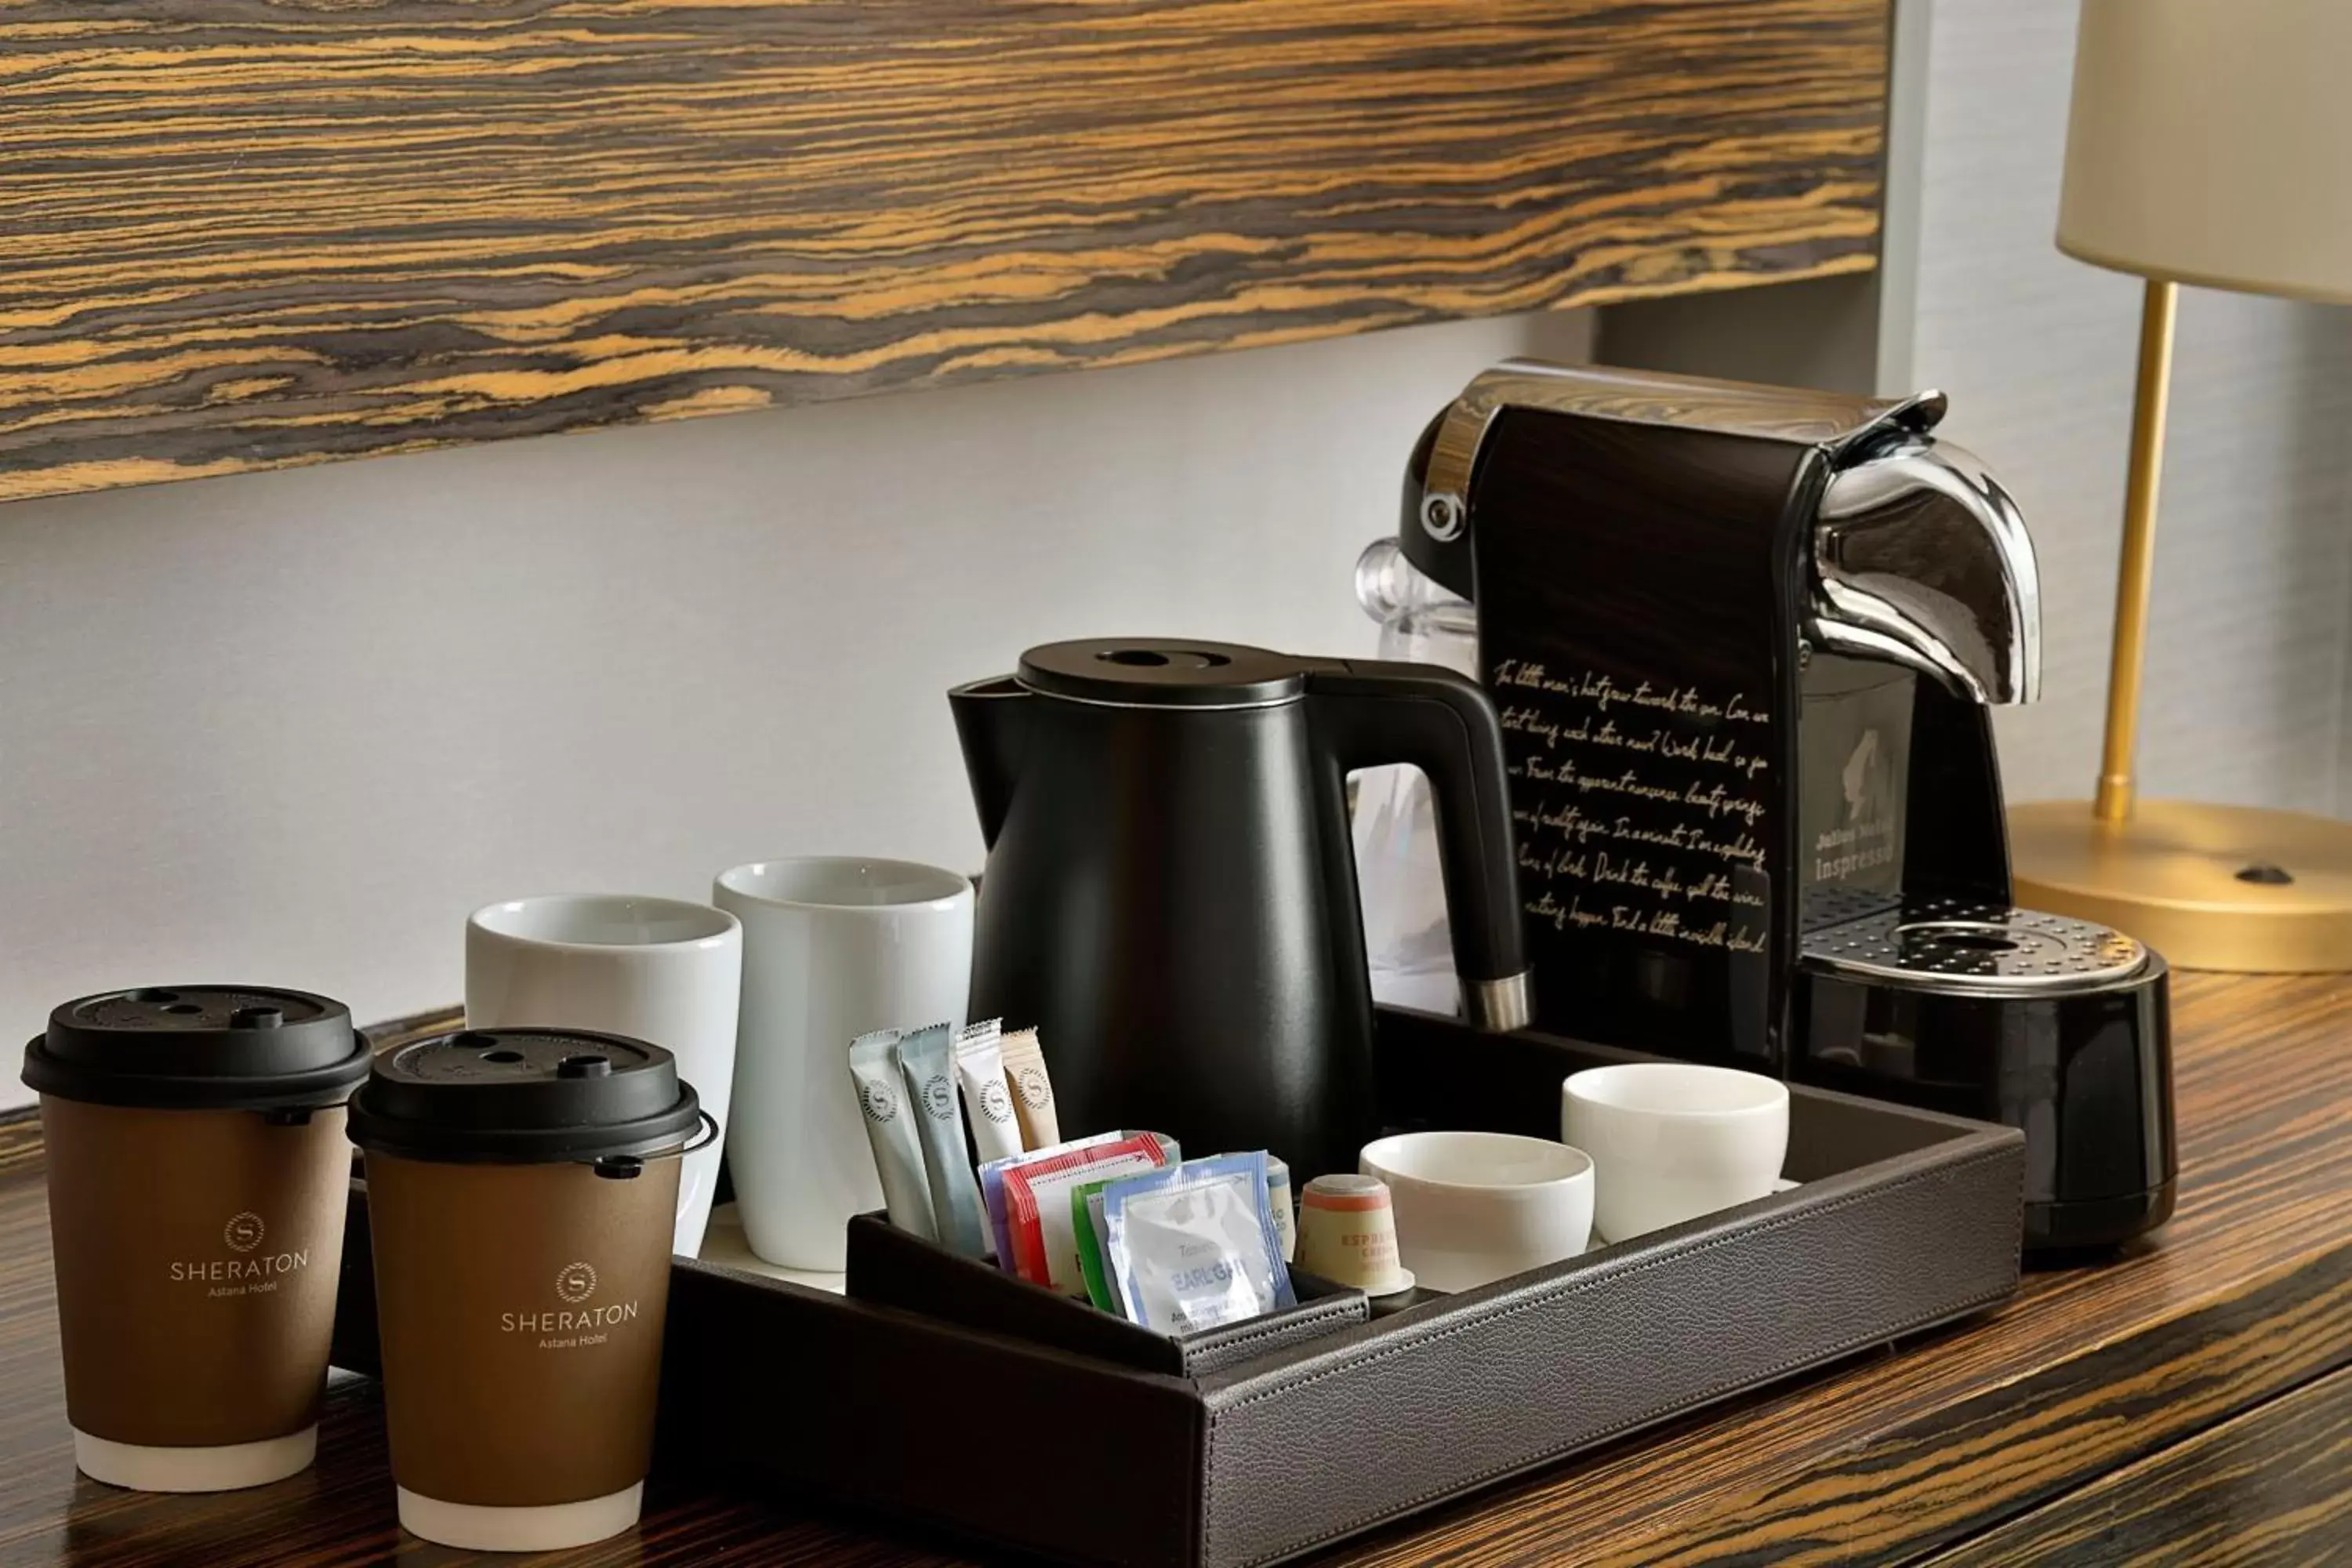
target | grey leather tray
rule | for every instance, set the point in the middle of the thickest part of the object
(895, 1268)
(1904, 1220)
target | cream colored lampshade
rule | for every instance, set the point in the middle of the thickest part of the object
(2211, 142)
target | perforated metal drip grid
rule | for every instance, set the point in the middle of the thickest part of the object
(1951, 945)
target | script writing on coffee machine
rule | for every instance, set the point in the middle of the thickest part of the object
(1635, 805)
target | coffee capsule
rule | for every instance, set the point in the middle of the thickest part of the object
(521, 1190)
(1347, 1234)
(198, 1177)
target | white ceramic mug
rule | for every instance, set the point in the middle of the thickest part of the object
(832, 948)
(1474, 1207)
(1673, 1141)
(660, 970)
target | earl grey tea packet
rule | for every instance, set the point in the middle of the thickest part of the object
(1194, 1247)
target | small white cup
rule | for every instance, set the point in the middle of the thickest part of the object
(833, 949)
(659, 970)
(1474, 1207)
(1673, 1141)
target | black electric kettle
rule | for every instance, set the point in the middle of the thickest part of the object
(1171, 892)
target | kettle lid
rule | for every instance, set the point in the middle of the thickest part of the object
(1163, 672)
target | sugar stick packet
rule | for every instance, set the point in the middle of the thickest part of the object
(1033, 1088)
(987, 1093)
(926, 1060)
(897, 1144)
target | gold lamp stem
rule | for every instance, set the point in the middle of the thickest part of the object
(2209, 887)
(2114, 803)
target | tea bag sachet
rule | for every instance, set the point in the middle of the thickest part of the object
(1285, 1211)
(991, 1188)
(987, 1093)
(992, 1180)
(1033, 1088)
(1194, 1247)
(891, 1128)
(1037, 1206)
(925, 1057)
(1086, 1224)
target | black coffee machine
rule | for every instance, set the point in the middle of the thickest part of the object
(1744, 641)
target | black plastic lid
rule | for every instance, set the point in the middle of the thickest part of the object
(1163, 672)
(199, 1048)
(524, 1097)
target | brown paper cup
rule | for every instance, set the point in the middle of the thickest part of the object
(522, 1190)
(520, 1309)
(197, 1254)
(197, 1180)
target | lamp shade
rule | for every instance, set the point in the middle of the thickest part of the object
(2211, 142)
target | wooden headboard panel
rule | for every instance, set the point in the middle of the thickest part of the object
(236, 234)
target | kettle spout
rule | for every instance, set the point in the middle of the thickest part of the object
(991, 720)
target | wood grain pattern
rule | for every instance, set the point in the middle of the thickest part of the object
(20, 1138)
(2244, 1297)
(248, 233)
(2272, 1486)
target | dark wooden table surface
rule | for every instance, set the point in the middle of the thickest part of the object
(2189, 1402)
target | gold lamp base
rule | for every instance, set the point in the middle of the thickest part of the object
(2209, 887)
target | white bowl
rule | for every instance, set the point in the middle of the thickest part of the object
(1474, 1207)
(1672, 1141)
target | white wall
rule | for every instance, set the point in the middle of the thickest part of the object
(2246, 695)
(289, 727)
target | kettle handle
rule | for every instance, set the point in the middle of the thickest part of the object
(1369, 712)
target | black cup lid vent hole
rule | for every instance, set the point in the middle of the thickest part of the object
(502, 1056)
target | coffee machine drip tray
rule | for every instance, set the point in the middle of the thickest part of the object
(1956, 945)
